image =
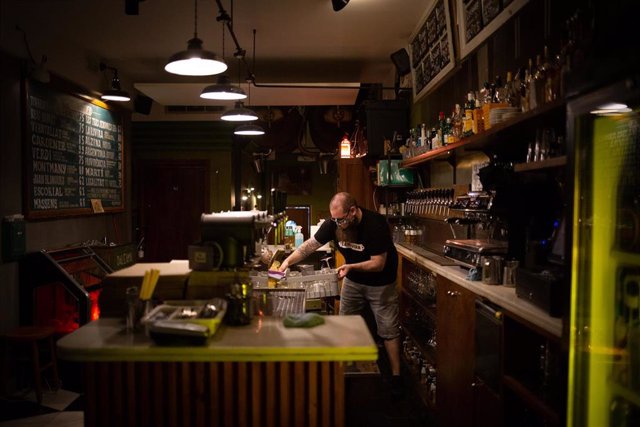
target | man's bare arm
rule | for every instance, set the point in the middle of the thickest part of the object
(304, 250)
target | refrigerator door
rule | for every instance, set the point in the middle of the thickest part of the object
(604, 366)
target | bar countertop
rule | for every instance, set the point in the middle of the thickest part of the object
(500, 295)
(340, 338)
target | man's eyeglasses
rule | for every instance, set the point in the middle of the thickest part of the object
(340, 221)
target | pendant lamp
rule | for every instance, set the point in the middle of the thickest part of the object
(195, 61)
(239, 114)
(115, 93)
(249, 130)
(223, 90)
(338, 5)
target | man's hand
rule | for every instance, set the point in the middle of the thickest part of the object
(283, 266)
(343, 270)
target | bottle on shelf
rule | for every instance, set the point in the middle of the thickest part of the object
(467, 124)
(457, 123)
(508, 93)
(478, 121)
(525, 90)
(447, 131)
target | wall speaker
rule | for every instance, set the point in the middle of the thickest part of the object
(400, 59)
(142, 104)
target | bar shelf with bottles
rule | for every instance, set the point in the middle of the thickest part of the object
(495, 112)
(487, 137)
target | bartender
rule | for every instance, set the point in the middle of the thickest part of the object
(371, 262)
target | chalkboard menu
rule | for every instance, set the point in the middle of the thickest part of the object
(431, 48)
(478, 19)
(73, 154)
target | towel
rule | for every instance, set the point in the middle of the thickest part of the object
(304, 320)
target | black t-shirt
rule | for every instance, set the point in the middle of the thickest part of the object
(373, 238)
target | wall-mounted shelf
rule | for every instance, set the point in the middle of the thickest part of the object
(486, 138)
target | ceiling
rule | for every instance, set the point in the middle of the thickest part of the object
(296, 42)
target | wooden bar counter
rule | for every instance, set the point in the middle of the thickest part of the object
(262, 374)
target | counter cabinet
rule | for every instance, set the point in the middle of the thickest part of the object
(262, 374)
(527, 346)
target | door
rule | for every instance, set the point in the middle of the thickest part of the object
(353, 177)
(455, 319)
(174, 194)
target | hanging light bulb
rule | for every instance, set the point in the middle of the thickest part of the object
(239, 114)
(249, 130)
(223, 90)
(195, 61)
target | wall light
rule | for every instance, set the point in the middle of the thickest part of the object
(115, 93)
(345, 147)
(195, 61)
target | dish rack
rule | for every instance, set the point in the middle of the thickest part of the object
(319, 284)
(279, 301)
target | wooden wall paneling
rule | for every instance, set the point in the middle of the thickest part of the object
(172, 389)
(285, 394)
(215, 395)
(199, 391)
(131, 393)
(339, 395)
(104, 390)
(298, 398)
(325, 382)
(228, 418)
(117, 392)
(270, 391)
(243, 398)
(312, 393)
(185, 394)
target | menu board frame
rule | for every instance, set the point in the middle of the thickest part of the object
(481, 30)
(73, 152)
(431, 49)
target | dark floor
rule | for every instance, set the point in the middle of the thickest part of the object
(369, 403)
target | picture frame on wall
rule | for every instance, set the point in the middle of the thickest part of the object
(478, 19)
(431, 49)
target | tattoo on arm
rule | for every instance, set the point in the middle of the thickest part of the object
(308, 247)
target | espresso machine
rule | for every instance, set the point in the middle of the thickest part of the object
(485, 232)
(228, 239)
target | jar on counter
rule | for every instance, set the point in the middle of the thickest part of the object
(413, 235)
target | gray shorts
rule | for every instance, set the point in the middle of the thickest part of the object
(383, 301)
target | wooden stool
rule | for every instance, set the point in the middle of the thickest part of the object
(32, 335)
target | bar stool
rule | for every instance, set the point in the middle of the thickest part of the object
(32, 336)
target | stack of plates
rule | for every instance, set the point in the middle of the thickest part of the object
(498, 115)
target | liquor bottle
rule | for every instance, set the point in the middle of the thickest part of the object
(496, 96)
(447, 131)
(456, 121)
(508, 93)
(478, 121)
(467, 125)
(433, 142)
(525, 91)
(539, 81)
(441, 129)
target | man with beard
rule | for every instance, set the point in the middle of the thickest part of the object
(371, 262)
